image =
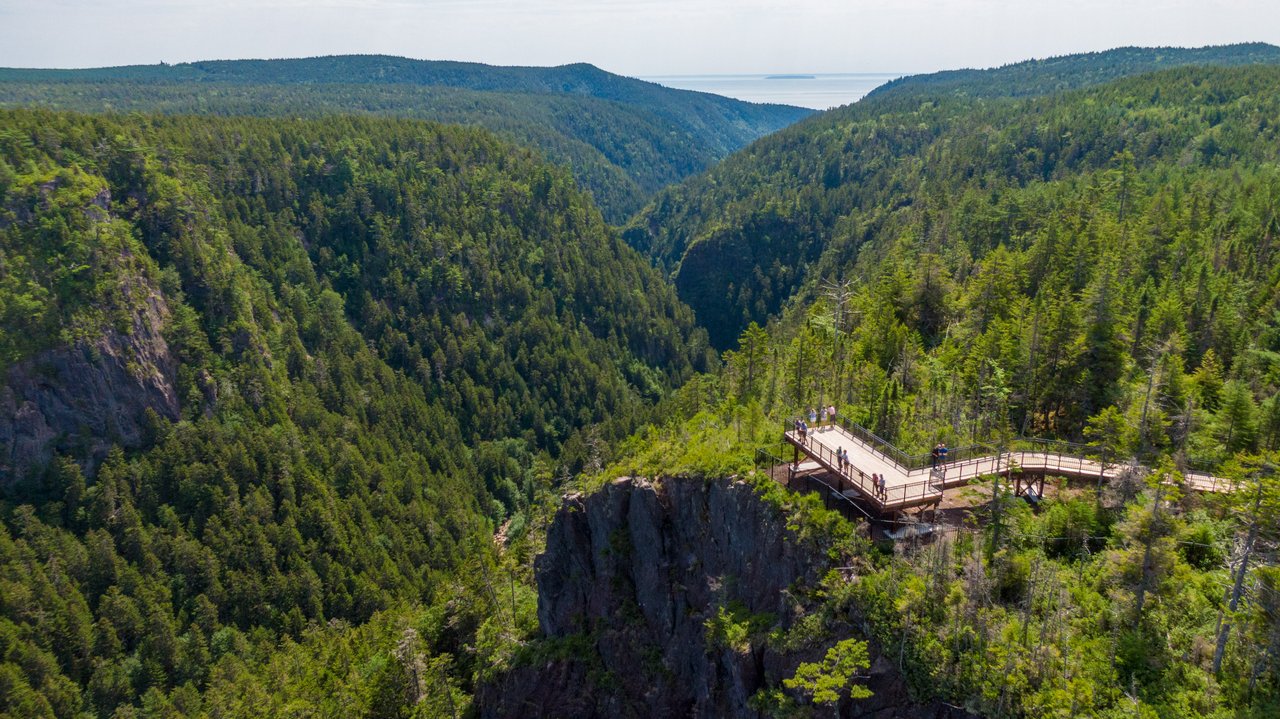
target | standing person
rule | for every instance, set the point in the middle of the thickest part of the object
(934, 455)
(884, 489)
(822, 415)
(813, 416)
(831, 412)
(942, 452)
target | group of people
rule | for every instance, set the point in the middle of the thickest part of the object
(878, 484)
(939, 454)
(822, 415)
(877, 480)
(817, 418)
(802, 429)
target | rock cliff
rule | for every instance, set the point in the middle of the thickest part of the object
(82, 399)
(632, 579)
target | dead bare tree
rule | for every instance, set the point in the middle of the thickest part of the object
(1237, 589)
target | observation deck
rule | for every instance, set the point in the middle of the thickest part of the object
(915, 481)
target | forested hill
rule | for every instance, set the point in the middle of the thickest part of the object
(268, 376)
(623, 138)
(1068, 72)
(468, 265)
(1097, 265)
(952, 177)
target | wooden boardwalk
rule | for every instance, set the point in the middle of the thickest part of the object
(908, 486)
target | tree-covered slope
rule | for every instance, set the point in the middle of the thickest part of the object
(1068, 72)
(265, 378)
(746, 236)
(623, 138)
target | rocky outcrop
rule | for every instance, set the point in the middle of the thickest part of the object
(629, 580)
(82, 399)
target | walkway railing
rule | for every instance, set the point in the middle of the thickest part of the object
(854, 479)
(964, 464)
(880, 445)
(765, 458)
(913, 463)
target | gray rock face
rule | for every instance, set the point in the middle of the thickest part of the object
(635, 571)
(82, 399)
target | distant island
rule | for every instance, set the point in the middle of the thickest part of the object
(790, 77)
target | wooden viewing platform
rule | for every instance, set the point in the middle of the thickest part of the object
(913, 482)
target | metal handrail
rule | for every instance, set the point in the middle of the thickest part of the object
(763, 456)
(898, 495)
(1090, 450)
(827, 456)
(890, 452)
(1046, 455)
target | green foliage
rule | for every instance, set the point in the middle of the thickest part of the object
(388, 338)
(735, 628)
(1085, 283)
(832, 679)
(1024, 175)
(1073, 527)
(1111, 430)
(623, 139)
(66, 275)
(1055, 74)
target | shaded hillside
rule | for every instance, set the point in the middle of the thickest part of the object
(744, 238)
(623, 138)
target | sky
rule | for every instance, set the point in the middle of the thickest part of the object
(631, 37)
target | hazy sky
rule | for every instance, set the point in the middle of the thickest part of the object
(634, 37)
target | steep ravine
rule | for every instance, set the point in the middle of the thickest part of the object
(629, 579)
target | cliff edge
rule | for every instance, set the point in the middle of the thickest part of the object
(678, 598)
(83, 398)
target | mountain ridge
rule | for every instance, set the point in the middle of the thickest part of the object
(624, 138)
(1073, 70)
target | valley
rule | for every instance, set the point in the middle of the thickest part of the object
(358, 386)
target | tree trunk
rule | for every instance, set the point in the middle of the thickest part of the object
(1146, 553)
(1238, 588)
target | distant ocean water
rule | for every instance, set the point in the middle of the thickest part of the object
(818, 91)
